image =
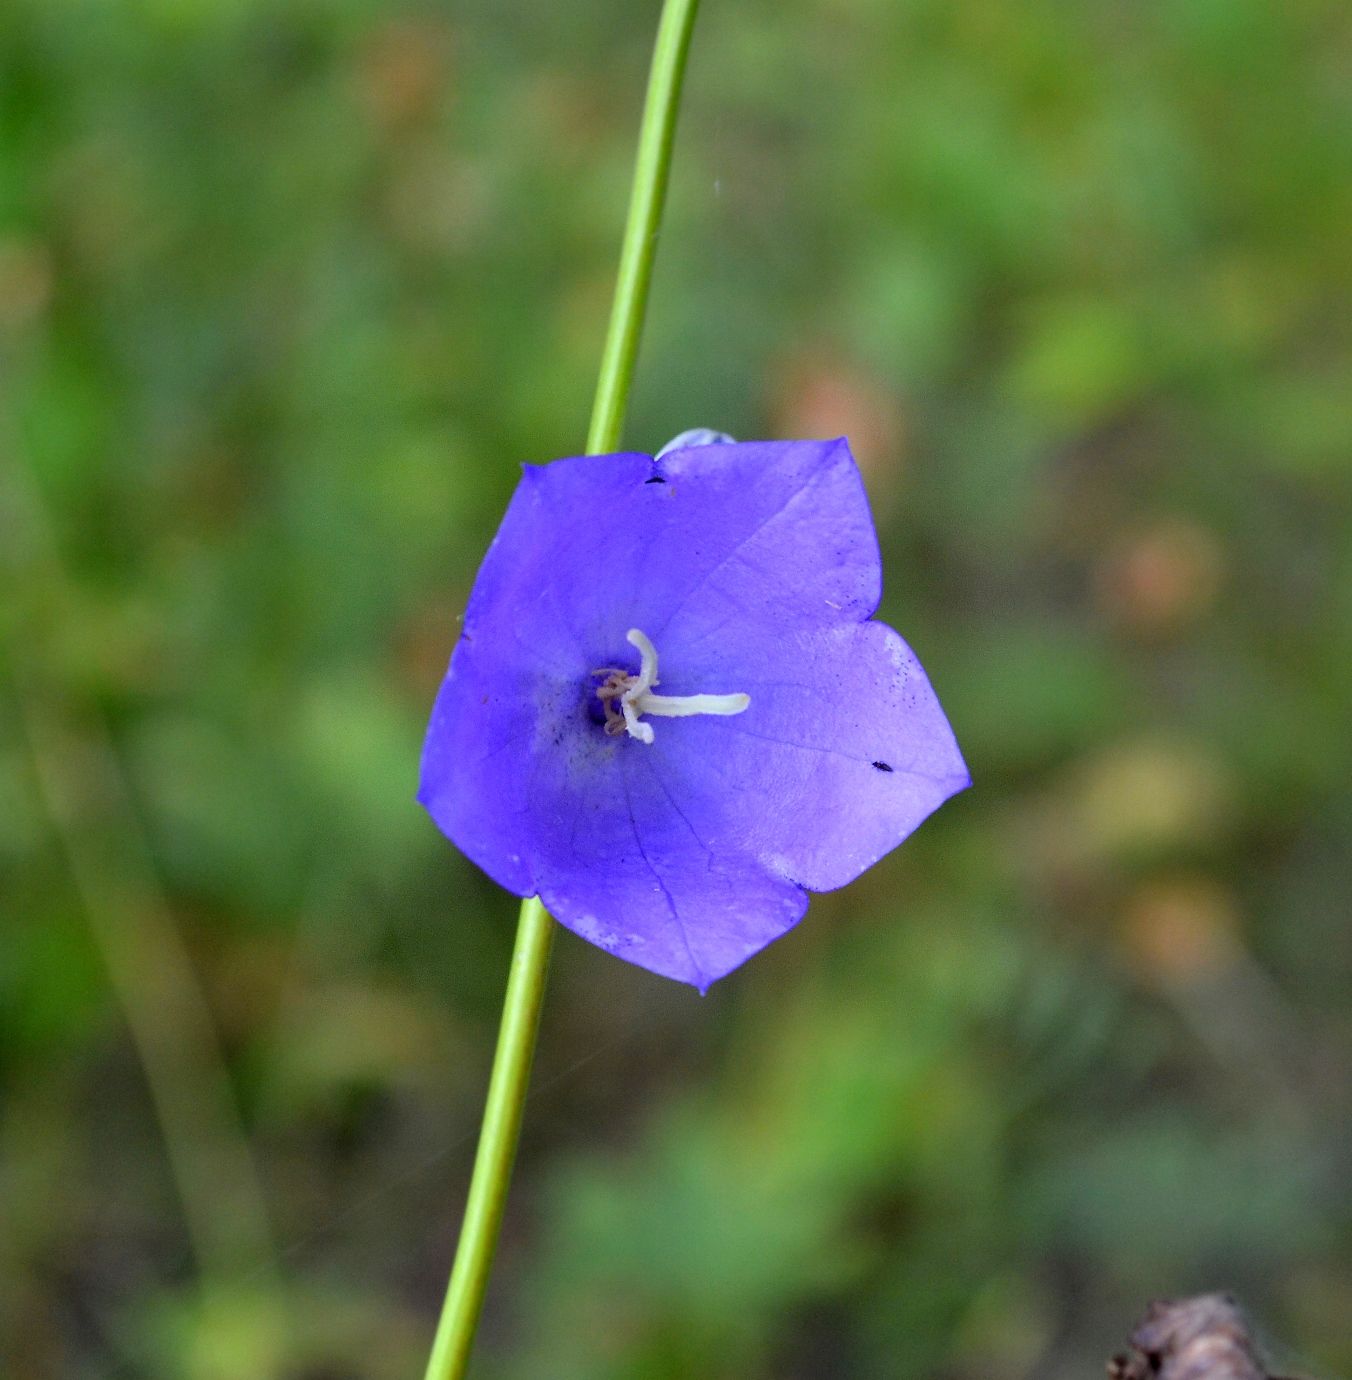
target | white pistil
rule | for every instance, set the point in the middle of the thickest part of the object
(636, 698)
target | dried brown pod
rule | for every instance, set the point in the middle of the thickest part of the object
(1202, 1338)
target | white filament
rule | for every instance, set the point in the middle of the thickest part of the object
(636, 697)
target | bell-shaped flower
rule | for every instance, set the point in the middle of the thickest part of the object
(670, 712)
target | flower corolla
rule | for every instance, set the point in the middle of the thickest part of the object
(670, 713)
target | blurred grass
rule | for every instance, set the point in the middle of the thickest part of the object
(287, 291)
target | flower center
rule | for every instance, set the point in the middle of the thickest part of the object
(635, 697)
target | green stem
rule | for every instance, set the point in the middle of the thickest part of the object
(535, 930)
(656, 136)
(497, 1144)
(92, 808)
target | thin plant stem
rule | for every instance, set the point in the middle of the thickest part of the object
(82, 786)
(149, 969)
(656, 137)
(497, 1144)
(535, 930)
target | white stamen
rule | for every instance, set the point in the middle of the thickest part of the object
(636, 697)
(647, 665)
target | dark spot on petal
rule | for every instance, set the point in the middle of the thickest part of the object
(656, 479)
(882, 766)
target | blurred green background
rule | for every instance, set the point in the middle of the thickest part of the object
(288, 289)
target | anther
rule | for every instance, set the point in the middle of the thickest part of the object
(636, 698)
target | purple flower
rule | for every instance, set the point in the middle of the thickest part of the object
(792, 743)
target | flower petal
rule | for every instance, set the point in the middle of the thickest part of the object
(530, 790)
(784, 522)
(843, 752)
(634, 875)
(595, 545)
